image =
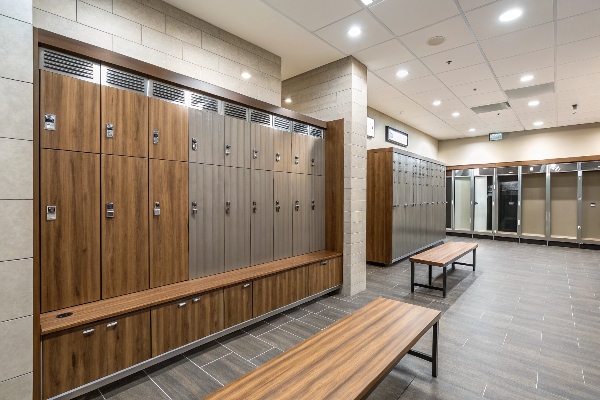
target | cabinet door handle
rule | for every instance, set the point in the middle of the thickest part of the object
(297, 206)
(227, 149)
(324, 262)
(88, 331)
(197, 299)
(246, 285)
(227, 207)
(181, 304)
(110, 325)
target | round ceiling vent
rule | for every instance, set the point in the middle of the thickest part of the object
(436, 40)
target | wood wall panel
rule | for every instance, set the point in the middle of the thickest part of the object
(334, 186)
(206, 315)
(238, 304)
(127, 343)
(171, 122)
(379, 206)
(324, 275)
(170, 326)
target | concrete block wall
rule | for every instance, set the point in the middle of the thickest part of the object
(333, 91)
(16, 199)
(160, 34)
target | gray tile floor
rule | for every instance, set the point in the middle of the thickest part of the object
(525, 325)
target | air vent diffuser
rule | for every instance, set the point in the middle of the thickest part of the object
(168, 93)
(260, 117)
(282, 123)
(491, 108)
(204, 103)
(125, 80)
(300, 128)
(316, 132)
(231, 110)
(69, 65)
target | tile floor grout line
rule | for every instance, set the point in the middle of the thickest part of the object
(206, 372)
(216, 359)
(157, 385)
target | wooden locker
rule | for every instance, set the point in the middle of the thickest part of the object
(170, 122)
(171, 326)
(207, 218)
(238, 304)
(301, 196)
(282, 151)
(317, 213)
(324, 275)
(261, 145)
(75, 103)
(237, 142)
(297, 280)
(125, 263)
(206, 315)
(70, 256)
(168, 222)
(206, 137)
(318, 165)
(237, 218)
(282, 216)
(126, 114)
(126, 341)
(269, 293)
(301, 148)
(261, 219)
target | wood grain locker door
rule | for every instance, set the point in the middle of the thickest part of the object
(206, 315)
(317, 213)
(127, 112)
(238, 304)
(282, 151)
(261, 145)
(237, 142)
(318, 166)
(168, 229)
(207, 129)
(261, 219)
(237, 218)
(300, 153)
(207, 229)
(170, 122)
(126, 341)
(301, 195)
(70, 257)
(268, 293)
(75, 103)
(125, 260)
(283, 208)
(297, 281)
(170, 326)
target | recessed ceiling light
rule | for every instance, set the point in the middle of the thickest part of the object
(367, 2)
(472, 130)
(511, 15)
(402, 73)
(526, 78)
(533, 103)
(246, 75)
(538, 123)
(455, 114)
(354, 31)
(288, 100)
(437, 103)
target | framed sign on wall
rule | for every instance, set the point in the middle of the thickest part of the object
(370, 127)
(395, 136)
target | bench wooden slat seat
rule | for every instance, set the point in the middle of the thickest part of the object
(347, 360)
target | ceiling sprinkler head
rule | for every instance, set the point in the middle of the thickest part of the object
(449, 62)
(574, 108)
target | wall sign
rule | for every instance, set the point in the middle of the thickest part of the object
(495, 136)
(395, 136)
(370, 127)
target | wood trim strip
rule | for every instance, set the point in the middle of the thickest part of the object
(334, 186)
(525, 163)
(103, 309)
(78, 48)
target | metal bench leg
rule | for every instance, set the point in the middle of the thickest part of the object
(444, 280)
(474, 258)
(412, 276)
(434, 349)
(430, 275)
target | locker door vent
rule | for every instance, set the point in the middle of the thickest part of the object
(300, 128)
(204, 103)
(282, 123)
(316, 132)
(231, 110)
(260, 117)
(125, 80)
(168, 93)
(69, 65)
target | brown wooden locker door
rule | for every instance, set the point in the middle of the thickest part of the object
(206, 137)
(238, 304)
(261, 145)
(318, 165)
(324, 275)
(125, 264)
(282, 151)
(75, 106)
(126, 341)
(301, 147)
(301, 196)
(170, 326)
(207, 229)
(70, 258)
(283, 209)
(168, 130)
(297, 281)
(317, 213)
(237, 218)
(124, 123)
(269, 293)
(168, 222)
(206, 315)
(237, 143)
(261, 219)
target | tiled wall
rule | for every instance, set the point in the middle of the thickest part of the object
(16, 204)
(334, 91)
(160, 34)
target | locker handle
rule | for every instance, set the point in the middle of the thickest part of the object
(313, 205)
(155, 137)
(197, 299)
(194, 144)
(246, 285)
(110, 325)
(312, 162)
(297, 206)
(227, 149)
(110, 131)
(157, 208)
(255, 153)
(227, 207)
(88, 331)
(277, 157)
(194, 208)
(277, 206)
(181, 304)
(324, 262)
(254, 208)
(296, 159)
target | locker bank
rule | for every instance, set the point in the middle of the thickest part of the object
(270, 199)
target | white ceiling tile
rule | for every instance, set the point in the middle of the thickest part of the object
(467, 89)
(569, 8)
(466, 116)
(529, 61)
(304, 13)
(337, 33)
(374, 82)
(415, 112)
(540, 76)
(578, 68)
(576, 28)
(546, 101)
(383, 93)
(577, 94)
(547, 116)
(460, 57)
(415, 69)
(584, 103)
(446, 105)
(467, 5)
(429, 97)
(578, 82)
(419, 85)
(403, 16)
(384, 55)
(576, 121)
(495, 117)
(484, 99)
(575, 51)
(486, 24)
(474, 73)
(520, 42)
(454, 30)
(506, 128)
(479, 126)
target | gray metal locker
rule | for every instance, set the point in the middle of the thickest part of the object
(237, 218)
(261, 144)
(317, 161)
(301, 195)
(301, 149)
(237, 142)
(317, 213)
(206, 216)
(282, 151)
(282, 215)
(206, 137)
(261, 219)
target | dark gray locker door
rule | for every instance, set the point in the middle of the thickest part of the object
(206, 137)
(237, 218)
(300, 153)
(261, 144)
(282, 151)
(237, 142)
(261, 218)
(301, 196)
(319, 157)
(282, 215)
(317, 214)
(207, 229)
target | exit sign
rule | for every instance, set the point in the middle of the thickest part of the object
(495, 136)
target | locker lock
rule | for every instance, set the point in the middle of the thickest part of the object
(312, 162)
(277, 206)
(227, 149)
(50, 213)
(255, 153)
(194, 144)
(227, 207)
(50, 122)
(313, 205)
(254, 208)
(297, 206)
(296, 160)
(155, 137)
(194, 208)
(277, 157)
(110, 131)
(156, 208)
(110, 210)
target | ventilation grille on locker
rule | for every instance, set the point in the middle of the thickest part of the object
(260, 117)
(231, 110)
(67, 64)
(282, 123)
(169, 93)
(205, 103)
(316, 132)
(123, 79)
(300, 128)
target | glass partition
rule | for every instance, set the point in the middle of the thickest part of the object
(462, 203)
(508, 199)
(590, 204)
(482, 207)
(533, 201)
(563, 201)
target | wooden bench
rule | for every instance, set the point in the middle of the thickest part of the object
(441, 256)
(347, 360)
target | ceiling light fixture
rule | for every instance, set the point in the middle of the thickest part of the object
(402, 73)
(455, 114)
(538, 123)
(436, 40)
(533, 103)
(246, 75)
(288, 100)
(526, 78)
(472, 130)
(437, 103)
(354, 31)
(511, 15)
(367, 2)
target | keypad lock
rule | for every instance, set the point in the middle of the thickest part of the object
(254, 208)
(227, 149)
(312, 162)
(255, 154)
(110, 210)
(157, 208)
(277, 206)
(110, 131)
(227, 207)
(277, 157)
(155, 137)
(50, 122)
(296, 160)
(194, 207)
(312, 205)
(297, 205)
(50, 213)
(194, 144)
